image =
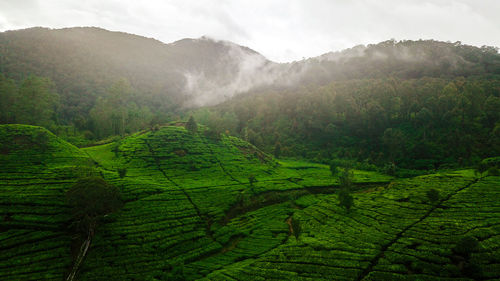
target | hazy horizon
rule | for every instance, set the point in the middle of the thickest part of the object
(282, 31)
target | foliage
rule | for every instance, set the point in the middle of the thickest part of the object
(390, 169)
(33, 102)
(422, 123)
(466, 246)
(297, 229)
(493, 171)
(277, 150)
(191, 125)
(345, 199)
(333, 168)
(173, 215)
(345, 179)
(122, 172)
(252, 180)
(433, 195)
(92, 198)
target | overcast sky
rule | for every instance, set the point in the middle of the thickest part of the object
(282, 30)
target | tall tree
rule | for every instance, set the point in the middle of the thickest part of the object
(37, 102)
(191, 125)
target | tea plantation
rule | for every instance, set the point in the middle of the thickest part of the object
(199, 207)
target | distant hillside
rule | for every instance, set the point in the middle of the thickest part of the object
(101, 83)
(84, 61)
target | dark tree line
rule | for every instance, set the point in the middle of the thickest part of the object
(416, 123)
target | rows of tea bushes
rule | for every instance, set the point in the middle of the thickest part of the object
(179, 188)
(391, 234)
(36, 168)
(220, 209)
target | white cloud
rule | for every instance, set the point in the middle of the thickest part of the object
(281, 30)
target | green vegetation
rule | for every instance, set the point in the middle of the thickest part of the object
(91, 199)
(216, 223)
(433, 195)
(191, 125)
(407, 105)
(395, 124)
(37, 168)
(357, 165)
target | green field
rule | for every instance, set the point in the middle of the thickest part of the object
(191, 207)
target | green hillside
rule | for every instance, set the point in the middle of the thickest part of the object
(198, 206)
(36, 168)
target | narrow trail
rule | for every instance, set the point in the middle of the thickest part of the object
(400, 234)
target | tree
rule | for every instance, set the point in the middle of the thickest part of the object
(37, 102)
(191, 125)
(252, 180)
(433, 195)
(333, 168)
(91, 199)
(296, 228)
(277, 150)
(481, 168)
(466, 246)
(345, 199)
(345, 179)
(8, 92)
(122, 172)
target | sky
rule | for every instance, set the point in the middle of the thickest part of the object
(281, 30)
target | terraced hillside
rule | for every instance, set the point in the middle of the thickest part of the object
(36, 168)
(393, 234)
(191, 202)
(219, 209)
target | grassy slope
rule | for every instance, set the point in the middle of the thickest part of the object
(189, 201)
(36, 169)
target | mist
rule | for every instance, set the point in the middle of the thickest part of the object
(239, 69)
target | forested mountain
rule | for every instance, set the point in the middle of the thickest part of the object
(377, 103)
(85, 62)
(413, 123)
(203, 160)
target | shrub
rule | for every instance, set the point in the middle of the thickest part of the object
(472, 270)
(252, 180)
(277, 150)
(493, 171)
(466, 246)
(333, 168)
(390, 169)
(345, 199)
(122, 172)
(433, 195)
(212, 134)
(481, 168)
(296, 228)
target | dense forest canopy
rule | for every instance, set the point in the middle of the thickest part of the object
(415, 104)
(414, 123)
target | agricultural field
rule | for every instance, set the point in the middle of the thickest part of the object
(198, 207)
(36, 169)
